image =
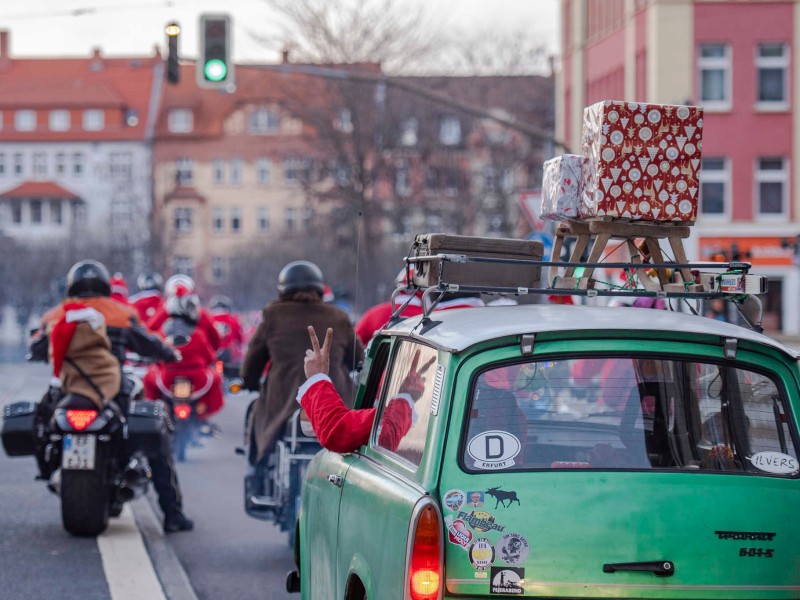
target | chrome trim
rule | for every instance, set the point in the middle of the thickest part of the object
(417, 487)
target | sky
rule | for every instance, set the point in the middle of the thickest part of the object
(125, 27)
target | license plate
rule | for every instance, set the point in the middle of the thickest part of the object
(78, 452)
(182, 388)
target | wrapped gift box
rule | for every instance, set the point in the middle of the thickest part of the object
(561, 185)
(642, 161)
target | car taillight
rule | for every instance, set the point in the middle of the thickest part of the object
(182, 411)
(425, 568)
(80, 419)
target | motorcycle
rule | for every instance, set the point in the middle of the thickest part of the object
(93, 458)
(188, 411)
(272, 493)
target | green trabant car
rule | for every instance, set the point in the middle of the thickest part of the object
(565, 452)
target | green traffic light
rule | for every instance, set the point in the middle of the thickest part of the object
(215, 70)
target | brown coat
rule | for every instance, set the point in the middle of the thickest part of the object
(282, 340)
(90, 349)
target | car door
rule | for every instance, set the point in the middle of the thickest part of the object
(383, 486)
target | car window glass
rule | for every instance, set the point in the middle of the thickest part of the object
(403, 425)
(376, 377)
(629, 413)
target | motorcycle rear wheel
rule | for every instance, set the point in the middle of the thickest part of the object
(84, 502)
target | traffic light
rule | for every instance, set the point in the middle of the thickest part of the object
(173, 69)
(215, 68)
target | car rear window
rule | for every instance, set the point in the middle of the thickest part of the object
(628, 413)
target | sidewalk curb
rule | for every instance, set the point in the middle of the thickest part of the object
(169, 569)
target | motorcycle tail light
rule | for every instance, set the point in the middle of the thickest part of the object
(182, 411)
(425, 564)
(182, 388)
(220, 366)
(80, 419)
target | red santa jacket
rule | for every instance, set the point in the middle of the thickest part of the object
(204, 323)
(147, 303)
(230, 332)
(341, 429)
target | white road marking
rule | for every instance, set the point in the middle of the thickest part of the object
(127, 566)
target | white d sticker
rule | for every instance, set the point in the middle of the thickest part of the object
(775, 462)
(494, 450)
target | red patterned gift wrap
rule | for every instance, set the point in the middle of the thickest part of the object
(642, 161)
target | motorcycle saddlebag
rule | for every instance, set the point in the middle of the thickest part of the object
(18, 428)
(149, 426)
(489, 274)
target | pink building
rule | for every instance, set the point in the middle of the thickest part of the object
(735, 59)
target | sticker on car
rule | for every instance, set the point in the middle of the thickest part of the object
(494, 450)
(481, 554)
(774, 462)
(514, 548)
(507, 580)
(454, 499)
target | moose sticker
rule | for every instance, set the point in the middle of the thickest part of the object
(502, 496)
(494, 450)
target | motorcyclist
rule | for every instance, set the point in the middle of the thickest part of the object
(89, 290)
(119, 288)
(279, 340)
(204, 321)
(229, 328)
(197, 356)
(149, 298)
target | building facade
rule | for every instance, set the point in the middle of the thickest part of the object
(737, 60)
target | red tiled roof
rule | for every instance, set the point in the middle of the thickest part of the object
(40, 189)
(73, 84)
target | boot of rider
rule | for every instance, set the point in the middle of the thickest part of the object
(165, 480)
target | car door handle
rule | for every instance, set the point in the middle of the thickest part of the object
(659, 568)
(335, 480)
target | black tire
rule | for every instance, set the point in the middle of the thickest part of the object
(84, 502)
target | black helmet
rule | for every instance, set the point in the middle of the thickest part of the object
(298, 276)
(150, 281)
(88, 278)
(221, 302)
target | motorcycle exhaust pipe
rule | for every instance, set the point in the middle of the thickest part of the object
(137, 473)
(126, 494)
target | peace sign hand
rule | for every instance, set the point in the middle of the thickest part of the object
(318, 360)
(414, 382)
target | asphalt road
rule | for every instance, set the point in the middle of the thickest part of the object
(228, 555)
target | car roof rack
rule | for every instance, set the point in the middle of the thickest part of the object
(453, 274)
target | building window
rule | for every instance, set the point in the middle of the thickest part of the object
(61, 163)
(18, 164)
(77, 164)
(772, 180)
(236, 171)
(409, 132)
(291, 219)
(263, 219)
(344, 121)
(79, 214)
(489, 179)
(2, 165)
(25, 120)
(218, 269)
(263, 121)
(262, 171)
(36, 212)
(58, 120)
(93, 119)
(452, 183)
(402, 183)
(772, 63)
(120, 166)
(219, 171)
(714, 69)
(183, 171)
(56, 213)
(183, 219)
(39, 165)
(184, 265)
(16, 212)
(450, 131)
(714, 186)
(179, 120)
(296, 170)
(218, 220)
(236, 220)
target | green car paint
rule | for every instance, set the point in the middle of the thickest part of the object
(572, 528)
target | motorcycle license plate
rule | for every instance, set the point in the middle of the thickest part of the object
(78, 452)
(182, 388)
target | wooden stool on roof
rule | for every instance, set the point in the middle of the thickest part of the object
(601, 231)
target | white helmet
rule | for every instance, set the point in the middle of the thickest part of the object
(183, 304)
(179, 280)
